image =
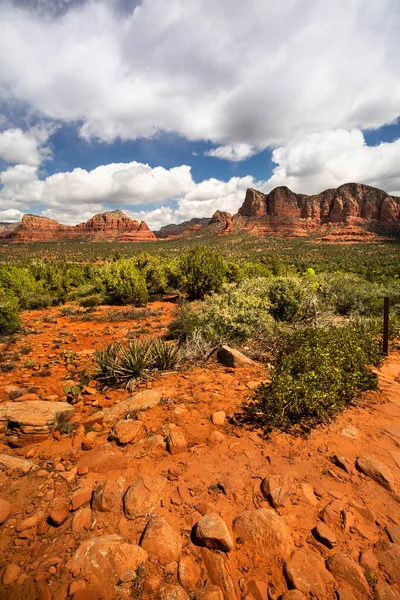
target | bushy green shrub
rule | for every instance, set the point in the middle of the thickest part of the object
(201, 272)
(92, 301)
(124, 284)
(20, 282)
(9, 317)
(317, 372)
(348, 294)
(286, 295)
(155, 272)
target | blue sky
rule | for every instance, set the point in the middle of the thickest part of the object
(169, 110)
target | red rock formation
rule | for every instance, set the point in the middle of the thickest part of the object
(224, 219)
(350, 204)
(172, 230)
(110, 226)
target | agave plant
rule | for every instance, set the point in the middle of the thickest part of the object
(106, 361)
(134, 361)
(166, 355)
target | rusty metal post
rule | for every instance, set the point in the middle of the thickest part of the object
(385, 344)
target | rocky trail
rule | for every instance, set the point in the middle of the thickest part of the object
(157, 494)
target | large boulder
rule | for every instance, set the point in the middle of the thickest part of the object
(143, 496)
(305, 570)
(264, 531)
(161, 540)
(212, 532)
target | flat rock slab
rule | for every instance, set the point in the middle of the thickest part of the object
(21, 465)
(30, 422)
(143, 400)
(229, 357)
(377, 471)
(393, 432)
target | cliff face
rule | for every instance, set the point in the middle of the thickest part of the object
(172, 230)
(349, 204)
(110, 226)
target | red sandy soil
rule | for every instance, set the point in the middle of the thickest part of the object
(221, 476)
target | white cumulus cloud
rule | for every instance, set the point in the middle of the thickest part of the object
(26, 147)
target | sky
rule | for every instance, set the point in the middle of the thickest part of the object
(170, 109)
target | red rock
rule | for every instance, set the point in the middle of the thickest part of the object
(212, 532)
(10, 574)
(128, 431)
(110, 226)
(277, 489)
(347, 570)
(388, 556)
(88, 594)
(218, 418)
(176, 443)
(189, 572)
(107, 496)
(325, 535)
(5, 510)
(221, 570)
(143, 496)
(80, 584)
(82, 521)
(386, 592)
(45, 594)
(377, 471)
(332, 513)
(216, 437)
(161, 540)
(264, 531)
(229, 357)
(27, 523)
(80, 497)
(211, 592)
(258, 589)
(60, 513)
(306, 571)
(393, 532)
(172, 592)
(292, 595)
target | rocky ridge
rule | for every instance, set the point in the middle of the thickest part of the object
(109, 226)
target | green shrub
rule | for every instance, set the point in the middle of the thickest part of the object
(124, 284)
(317, 372)
(92, 301)
(286, 295)
(185, 322)
(201, 272)
(347, 294)
(9, 317)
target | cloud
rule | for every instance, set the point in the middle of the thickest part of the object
(244, 77)
(75, 196)
(234, 152)
(26, 147)
(328, 159)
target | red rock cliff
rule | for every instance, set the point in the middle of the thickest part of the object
(111, 226)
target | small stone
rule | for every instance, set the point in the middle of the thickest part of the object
(82, 521)
(258, 589)
(366, 512)
(10, 574)
(28, 523)
(45, 594)
(347, 570)
(377, 471)
(212, 532)
(332, 513)
(292, 595)
(128, 431)
(277, 489)
(176, 443)
(143, 496)
(173, 592)
(325, 535)
(229, 357)
(344, 463)
(211, 592)
(189, 572)
(161, 540)
(386, 592)
(218, 418)
(264, 531)
(5, 510)
(82, 471)
(393, 532)
(80, 584)
(350, 432)
(306, 571)
(59, 514)
(216, 437)
(107, 496)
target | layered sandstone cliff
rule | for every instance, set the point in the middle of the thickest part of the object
(110, 226)
(173, 230)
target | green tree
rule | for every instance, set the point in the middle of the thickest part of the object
(202, 272)
(9, 317)
(125, 284)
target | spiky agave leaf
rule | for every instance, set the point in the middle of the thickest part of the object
(135, 360)
(166, 355)
(106, 361)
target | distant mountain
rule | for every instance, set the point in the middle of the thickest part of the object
(186, 227)
(110, 226)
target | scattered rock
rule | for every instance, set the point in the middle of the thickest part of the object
(344, 463)
(277, 489)
(332, 513)
(189, 572)
(325, 535)
(141, 401)
(143, 496)
(128, 431)
(377, 471)
(342, 594)
(265, 531)
(258, 589)
(28, 523)
(306, 571)
(386, 592)
(212, 532)
(221, 570)
(366, 512)
(105, 561)
(308, 494)
(161, 540)
(176, 443)
(107, 496)
(81, 497)
(172, 592)
(30, 422)
(393, 532)
(15, 463)
(216, 437)
(10, 574)
(211, 592)
(218, 418)
(388, 555)
(348, 571)
(5, 510)
(60, 513)
(292, 595)
(350, 432)
(229, 357)
(82, 521)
